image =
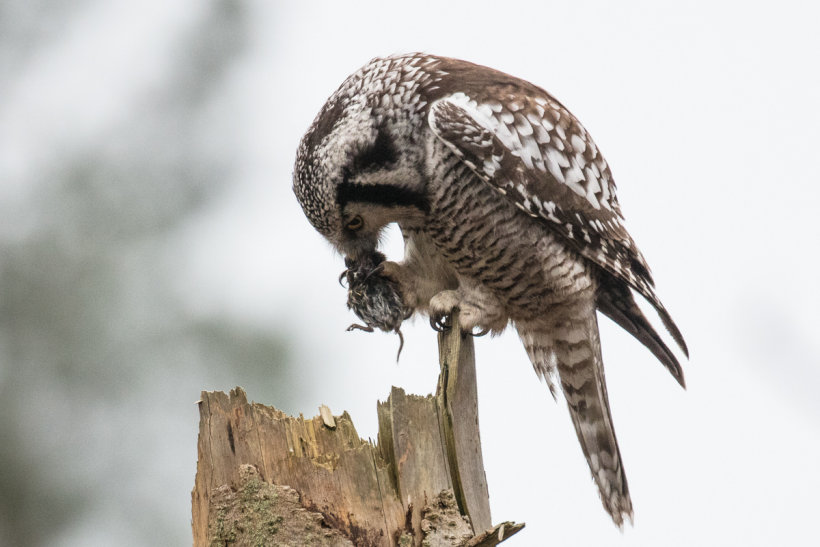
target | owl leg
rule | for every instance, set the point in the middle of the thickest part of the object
(418, 280)
(407, 279)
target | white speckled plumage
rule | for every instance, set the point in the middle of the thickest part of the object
(455, 153)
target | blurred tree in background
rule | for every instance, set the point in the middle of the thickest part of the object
(101, 360)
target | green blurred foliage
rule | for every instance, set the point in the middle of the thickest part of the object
(100, 359)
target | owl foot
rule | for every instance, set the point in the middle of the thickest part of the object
(440, 323)
(441, 309)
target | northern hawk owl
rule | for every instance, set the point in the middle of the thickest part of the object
(509, 214)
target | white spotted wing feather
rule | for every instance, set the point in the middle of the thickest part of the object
(534, 151)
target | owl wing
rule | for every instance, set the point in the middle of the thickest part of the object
(535, 152)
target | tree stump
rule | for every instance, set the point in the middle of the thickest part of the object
(266, 478)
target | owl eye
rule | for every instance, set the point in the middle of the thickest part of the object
(355, 224)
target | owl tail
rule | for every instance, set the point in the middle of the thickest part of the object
(577, 348)
(615, 300)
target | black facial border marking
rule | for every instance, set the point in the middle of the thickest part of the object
(381, 194)
(380, 155)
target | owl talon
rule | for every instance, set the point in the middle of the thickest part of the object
(480, 333)
(343, 276)
(440, 323)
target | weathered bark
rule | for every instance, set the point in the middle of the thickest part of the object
(265, 478)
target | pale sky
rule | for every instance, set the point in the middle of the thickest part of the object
(708, 115)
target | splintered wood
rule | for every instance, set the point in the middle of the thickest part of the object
(422, 482)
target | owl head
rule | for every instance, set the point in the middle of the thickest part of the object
(360, 166)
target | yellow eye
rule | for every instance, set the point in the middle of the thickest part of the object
(355, 224)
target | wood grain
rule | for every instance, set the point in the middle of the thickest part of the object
(426, 468)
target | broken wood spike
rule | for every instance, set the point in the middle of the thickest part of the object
(327, 416)
(457, 399)
(496, 534)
